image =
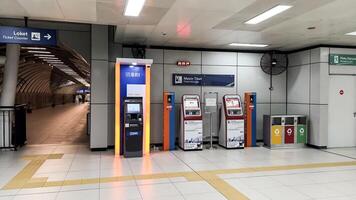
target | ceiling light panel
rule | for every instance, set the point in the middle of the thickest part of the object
(134, 7)
(268, 14)
(248, 45)
(352, 33)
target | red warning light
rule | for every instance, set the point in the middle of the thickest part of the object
(341, 92)
(183, 63)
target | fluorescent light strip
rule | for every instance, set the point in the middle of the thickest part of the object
(52, 61)
(352, 33)
(43, 55)
(248, 45)
(42, 52)
(57, 62)
(51, 58)
(268, 14)
(34, 48)
(134, 7)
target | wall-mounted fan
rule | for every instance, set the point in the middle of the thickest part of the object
(274, 63)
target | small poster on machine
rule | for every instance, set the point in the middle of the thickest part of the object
(193, 134)
(235, 138)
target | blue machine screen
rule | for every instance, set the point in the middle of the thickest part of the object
(133, 108)
(133, 133)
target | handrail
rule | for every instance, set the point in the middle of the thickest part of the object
(13, 107)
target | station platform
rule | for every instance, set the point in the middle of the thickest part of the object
(62, 124)
(74, 172)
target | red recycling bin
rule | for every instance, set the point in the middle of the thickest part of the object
(289, 135)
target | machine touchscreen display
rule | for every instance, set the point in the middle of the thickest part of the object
(191, 103)
(133, 108)
(232, 103)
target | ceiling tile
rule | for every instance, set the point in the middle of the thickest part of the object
(78, 10)
(48, 9)
(11, 8)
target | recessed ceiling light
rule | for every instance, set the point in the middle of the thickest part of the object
(248, 45)
(134, 7)
(352, 33)
(268, 14)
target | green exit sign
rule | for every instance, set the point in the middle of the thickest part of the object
(342, 59)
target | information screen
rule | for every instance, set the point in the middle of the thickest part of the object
(232, 103)
(133, 108)
(191, 103)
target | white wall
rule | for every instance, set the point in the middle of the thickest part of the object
(245, 67)
(308, 91)
(309, 87)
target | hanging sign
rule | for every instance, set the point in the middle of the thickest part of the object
(203, 80)
(19, 35)
(342, 59)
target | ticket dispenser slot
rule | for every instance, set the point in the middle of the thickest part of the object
(133, 127)
(277, 131)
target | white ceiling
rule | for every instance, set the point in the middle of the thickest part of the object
(204, 23)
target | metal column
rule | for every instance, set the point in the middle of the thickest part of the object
(8, 93)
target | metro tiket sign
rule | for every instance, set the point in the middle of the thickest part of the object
(203, 80)
(342, 59)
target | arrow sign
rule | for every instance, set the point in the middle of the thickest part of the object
(48, 36)
(19, 35)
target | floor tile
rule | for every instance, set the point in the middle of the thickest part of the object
(79, 194)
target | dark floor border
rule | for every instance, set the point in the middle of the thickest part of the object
(316, 146)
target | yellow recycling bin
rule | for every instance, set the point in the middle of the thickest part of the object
(276, 135)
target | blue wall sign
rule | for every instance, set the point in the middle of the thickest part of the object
(18, 35)
(203, 80)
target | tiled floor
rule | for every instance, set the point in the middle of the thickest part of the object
(63, 124)
(219, 174)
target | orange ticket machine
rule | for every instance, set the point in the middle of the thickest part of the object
(169, 131)
(250, 119)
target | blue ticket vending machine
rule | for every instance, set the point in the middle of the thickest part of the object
(133, 127)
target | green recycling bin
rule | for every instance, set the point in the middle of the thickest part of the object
(301, 134)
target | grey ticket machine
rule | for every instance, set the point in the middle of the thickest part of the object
(133, 127)
(191, 130)
(231, 133)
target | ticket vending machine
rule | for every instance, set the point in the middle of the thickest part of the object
(231, 133)
(133, 127)
(191, 130)
(169, 135)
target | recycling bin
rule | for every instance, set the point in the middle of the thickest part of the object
(284, 131)
(277, 131)
(289, 130)
(302, 130)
